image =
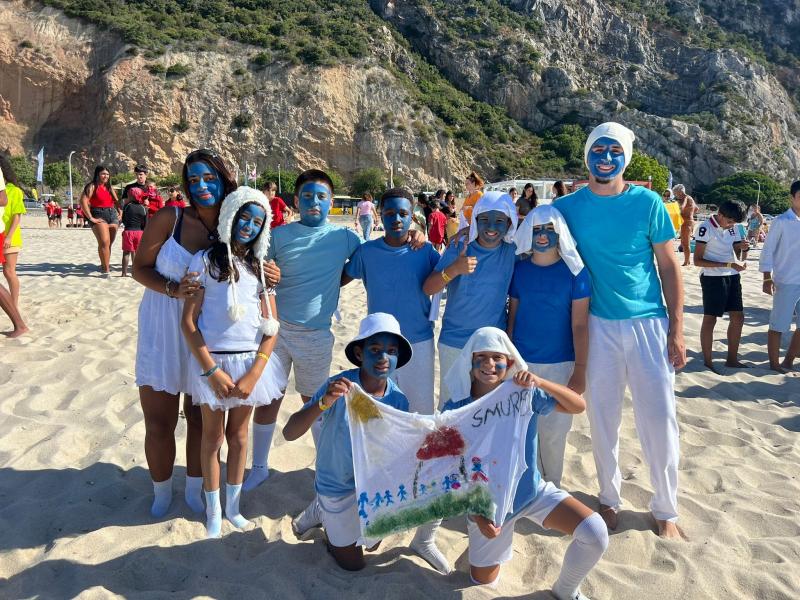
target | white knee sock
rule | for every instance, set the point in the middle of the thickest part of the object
(262, 440)
(232, 495)
(162, 497)
(193, 493)
(424, 544)
(590, 540)
(213, 514)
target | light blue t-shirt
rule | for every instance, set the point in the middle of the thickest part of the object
(393, 278)
(311, 260)
(542, 404)
(335, 476)
(543, 324)
(615, 237)
(478, 299)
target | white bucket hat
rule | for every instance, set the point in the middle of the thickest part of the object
(379, 323)
(230, 206)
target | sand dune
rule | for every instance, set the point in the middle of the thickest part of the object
(75, 491)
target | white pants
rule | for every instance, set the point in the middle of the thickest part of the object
(633, 353)
(553, 428)
(447, 357)
(415, 379)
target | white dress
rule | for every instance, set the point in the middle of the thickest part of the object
(162, 355)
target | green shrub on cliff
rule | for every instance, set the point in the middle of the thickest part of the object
(773, 196)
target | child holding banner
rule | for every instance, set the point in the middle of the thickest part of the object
(487, 359)
(377, 350)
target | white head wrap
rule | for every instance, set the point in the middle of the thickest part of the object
(542, 215)
(494, 201)
(615, 131)
(230, 206)
(485, 339)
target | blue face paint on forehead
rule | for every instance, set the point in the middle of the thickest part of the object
(540, 233)
(205, 186)
(249, 224)
(314, 201)
(492, 227)
(396, 216)
(379, 355)
(604, 163)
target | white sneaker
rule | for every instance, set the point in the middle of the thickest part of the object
(310, 518)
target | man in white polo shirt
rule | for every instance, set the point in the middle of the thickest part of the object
(780, 263)
(716, 243)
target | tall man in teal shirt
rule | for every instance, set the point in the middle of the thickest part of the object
(634, 341)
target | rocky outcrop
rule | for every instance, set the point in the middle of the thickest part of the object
(68, 86)
(705, 113)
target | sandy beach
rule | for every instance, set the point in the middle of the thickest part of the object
(75, 491)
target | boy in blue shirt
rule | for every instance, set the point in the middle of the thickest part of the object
(633, 340)
(393, 274)
(548, 315)
(486, 361)
(377, 350)
(311, 255)
(477, 276)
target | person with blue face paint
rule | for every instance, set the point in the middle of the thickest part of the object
(393, 275)
(487, 361)
(548, 314)
(311, 254)
(634, 340)
(377, 350)
(230, 329)
(477, 273)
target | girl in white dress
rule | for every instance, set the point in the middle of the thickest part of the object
(230, 327)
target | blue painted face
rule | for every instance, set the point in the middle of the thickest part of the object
(249, 224)
(489, 367)
(606, 159)
(314, 200)
(492, 227)
(379, 355)
(396, 216)
(544, 238)
(205, 185)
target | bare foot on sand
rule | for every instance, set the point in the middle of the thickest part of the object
(712, 368)
(735, 364)
(609, 515)
(16, 332)
(783, 370)
(669, 530)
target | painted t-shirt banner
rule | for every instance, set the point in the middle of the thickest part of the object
(411, 469)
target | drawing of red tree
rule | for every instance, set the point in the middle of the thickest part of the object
(445, 441)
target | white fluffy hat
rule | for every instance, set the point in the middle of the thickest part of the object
(230, 206)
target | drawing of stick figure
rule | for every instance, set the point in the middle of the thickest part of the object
(446, 483)
(363, 500)
(387, 497)
(401, 492)
(454, 483)
(422, 489)
(477, 470)
(377, 500)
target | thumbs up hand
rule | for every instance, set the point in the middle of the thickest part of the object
(464, 265)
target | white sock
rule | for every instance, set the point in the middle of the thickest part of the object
(262, 440)
(424, 544)
(232, 495)
(193, 493)
(589, 542)
(162, 497)
(213, 514)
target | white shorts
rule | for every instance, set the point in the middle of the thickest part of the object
(785, 307)
(485, 552)
(311, 352)
(415, 379)
(447, 358)
(340, 520)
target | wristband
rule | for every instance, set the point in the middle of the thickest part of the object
(210, 372)
(322, 407)
(166, 289)
(767, 278)
(262, 355)
(446, 277)
(728, 265)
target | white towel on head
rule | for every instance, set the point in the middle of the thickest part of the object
(615, 131)
(458, 378)
(542, 215)
(495, 201)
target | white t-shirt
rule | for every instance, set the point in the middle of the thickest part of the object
(719, 246)
(219, 331)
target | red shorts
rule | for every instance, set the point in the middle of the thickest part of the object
(130, 240)
(2, 241)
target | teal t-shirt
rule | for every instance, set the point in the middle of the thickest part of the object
(615, 237)
(311, 260)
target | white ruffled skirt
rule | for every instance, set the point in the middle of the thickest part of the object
(271, 385)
